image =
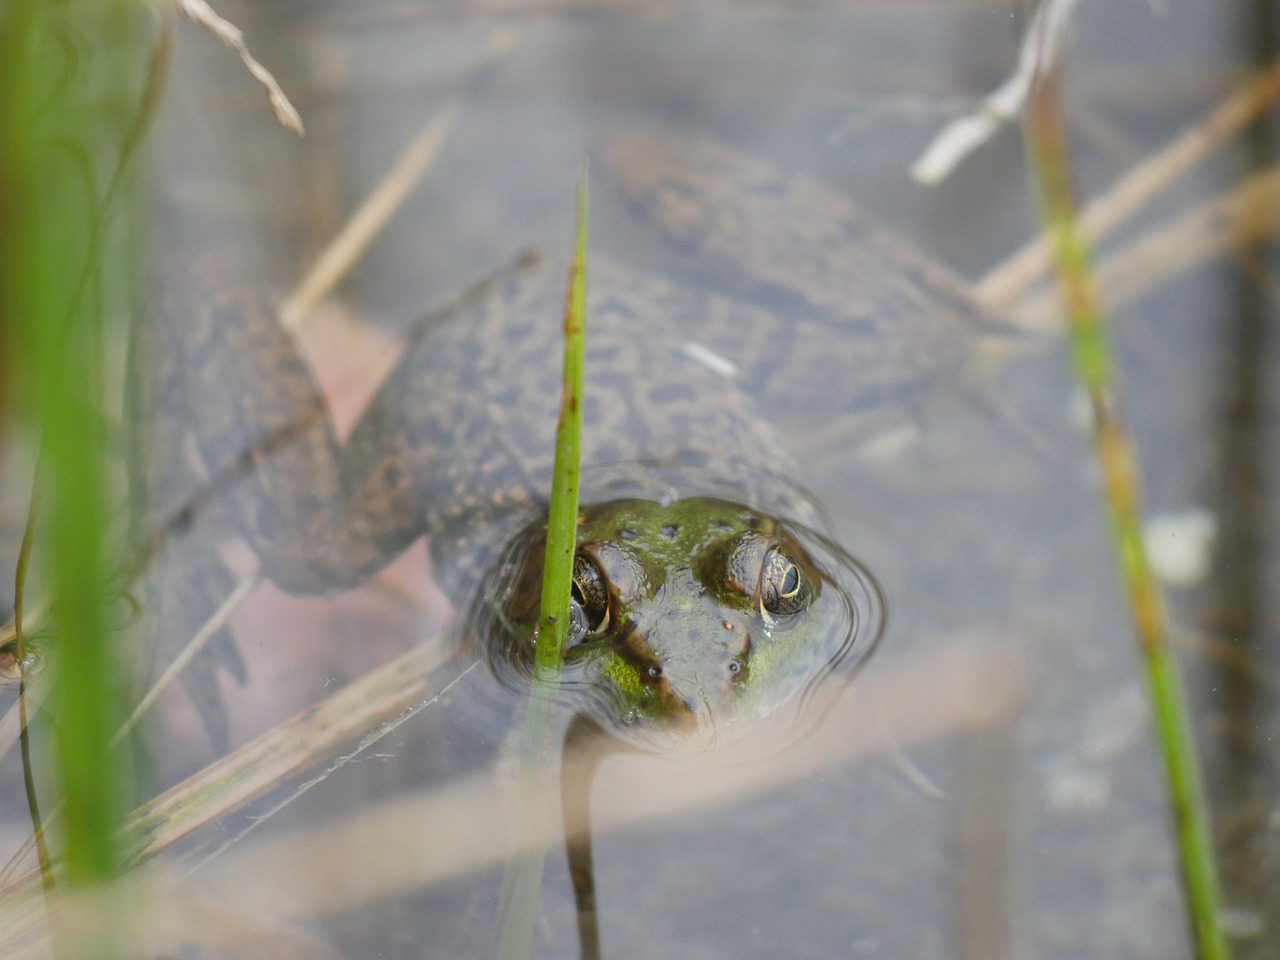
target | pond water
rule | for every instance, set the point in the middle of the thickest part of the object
(993, 788)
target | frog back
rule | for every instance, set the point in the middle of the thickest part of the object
(475, 402)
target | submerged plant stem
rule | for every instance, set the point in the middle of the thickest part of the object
(1094, 370)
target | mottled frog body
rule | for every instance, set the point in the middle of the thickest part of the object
(458, 443)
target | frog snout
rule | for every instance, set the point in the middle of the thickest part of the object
(697, 707)
(688, 692)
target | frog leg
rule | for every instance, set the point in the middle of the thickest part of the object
(177, 570)
(186, 586)
(585, 745)
(227, 415)
(320, 516)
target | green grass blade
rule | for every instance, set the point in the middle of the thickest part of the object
(1095, 371)
(519, 904)
(562, 520)
(65, 269)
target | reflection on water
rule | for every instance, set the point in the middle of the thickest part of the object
(974, 503)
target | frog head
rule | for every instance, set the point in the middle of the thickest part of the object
(689, 618)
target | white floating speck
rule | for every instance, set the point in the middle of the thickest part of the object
(1241, 923)
(709, 359)
(1076, 789)
(1180, 545)
(888, 445)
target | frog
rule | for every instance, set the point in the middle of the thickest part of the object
(706, 593)
(365, 502)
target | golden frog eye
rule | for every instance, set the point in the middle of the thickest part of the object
(784, 589)
(591, 593)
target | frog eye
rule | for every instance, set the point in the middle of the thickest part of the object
(784, 589)
(590, 593)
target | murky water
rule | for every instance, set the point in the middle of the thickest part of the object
(1042, 832)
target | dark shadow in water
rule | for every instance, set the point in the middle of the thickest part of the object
(1241, 766)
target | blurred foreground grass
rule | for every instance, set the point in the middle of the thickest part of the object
(75, 96)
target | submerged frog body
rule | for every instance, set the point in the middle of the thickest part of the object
(725, 590)
(458, 445)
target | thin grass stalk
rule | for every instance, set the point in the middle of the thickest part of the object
(19, 34)
(24, 727)
(1095, 371)
(519, 901)
(562, 519)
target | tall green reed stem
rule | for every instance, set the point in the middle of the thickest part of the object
(1095, 371)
